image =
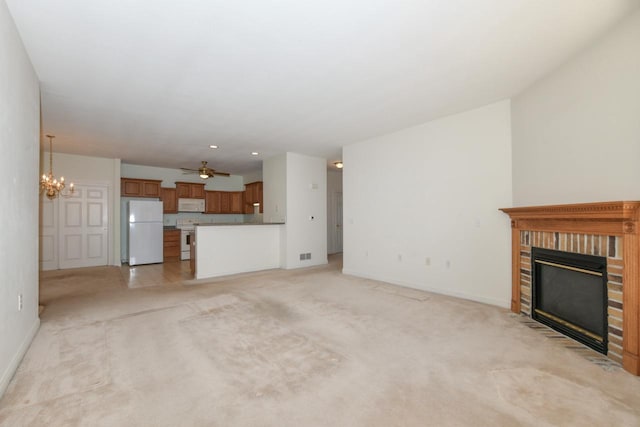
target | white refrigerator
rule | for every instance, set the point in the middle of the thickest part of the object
(145, 232)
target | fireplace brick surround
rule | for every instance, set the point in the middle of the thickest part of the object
(608, 229)
(586, 244)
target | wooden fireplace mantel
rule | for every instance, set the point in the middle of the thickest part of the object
(605, 218)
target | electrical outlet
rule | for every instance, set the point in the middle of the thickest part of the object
(19, 302)
(427, 261)
(302, 257)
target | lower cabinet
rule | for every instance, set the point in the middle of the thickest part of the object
(171, 245)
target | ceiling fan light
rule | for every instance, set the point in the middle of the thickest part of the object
(203, 171)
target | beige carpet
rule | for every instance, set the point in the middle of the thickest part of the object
(299, 348)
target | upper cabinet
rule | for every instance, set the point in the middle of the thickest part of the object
(216, 202)
(253, 194)
(190, 190)
(224, 202)
(235, 202)
(169, 200)
(134, 187)
(212, 202)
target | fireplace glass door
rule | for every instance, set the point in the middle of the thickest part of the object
(570, 295)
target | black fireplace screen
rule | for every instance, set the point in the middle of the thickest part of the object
(570, 295)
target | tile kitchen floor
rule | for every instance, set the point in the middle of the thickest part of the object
(165, 274)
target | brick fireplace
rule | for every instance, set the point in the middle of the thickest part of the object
(610, 230)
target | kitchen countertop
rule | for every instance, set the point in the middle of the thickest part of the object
(169, 228)
(237, 223)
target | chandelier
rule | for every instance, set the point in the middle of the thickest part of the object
(50, 185)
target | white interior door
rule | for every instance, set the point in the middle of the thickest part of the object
(48, 234)
(83, 228)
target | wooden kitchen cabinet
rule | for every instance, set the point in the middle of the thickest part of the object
(169, 200)
(224, 202)
(190, 190)
(134, 187)
(253, 194)
(212, 202)
(236, 203)
(171, 245)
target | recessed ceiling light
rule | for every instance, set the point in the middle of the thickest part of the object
(213, 146)
(339, 165)
(254, 153)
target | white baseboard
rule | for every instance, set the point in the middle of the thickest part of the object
(462, 295)
(17, 358)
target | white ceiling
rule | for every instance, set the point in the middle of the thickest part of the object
(154, 82)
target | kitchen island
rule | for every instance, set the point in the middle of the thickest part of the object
(224, 249)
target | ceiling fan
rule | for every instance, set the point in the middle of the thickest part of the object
(204, 171)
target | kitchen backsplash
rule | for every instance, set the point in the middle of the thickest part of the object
(170, 219)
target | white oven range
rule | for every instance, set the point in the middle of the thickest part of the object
(186, 226)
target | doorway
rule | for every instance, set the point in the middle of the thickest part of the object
(334, 222)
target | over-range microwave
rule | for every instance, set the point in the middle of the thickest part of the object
(190, 205)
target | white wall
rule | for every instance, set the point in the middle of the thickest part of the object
(19, 143)
(295, 189)
(306, 199)
(252, 176)
(433, 191)
(92, 170)
(334, 187)
(576, 133)
(274, 188)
